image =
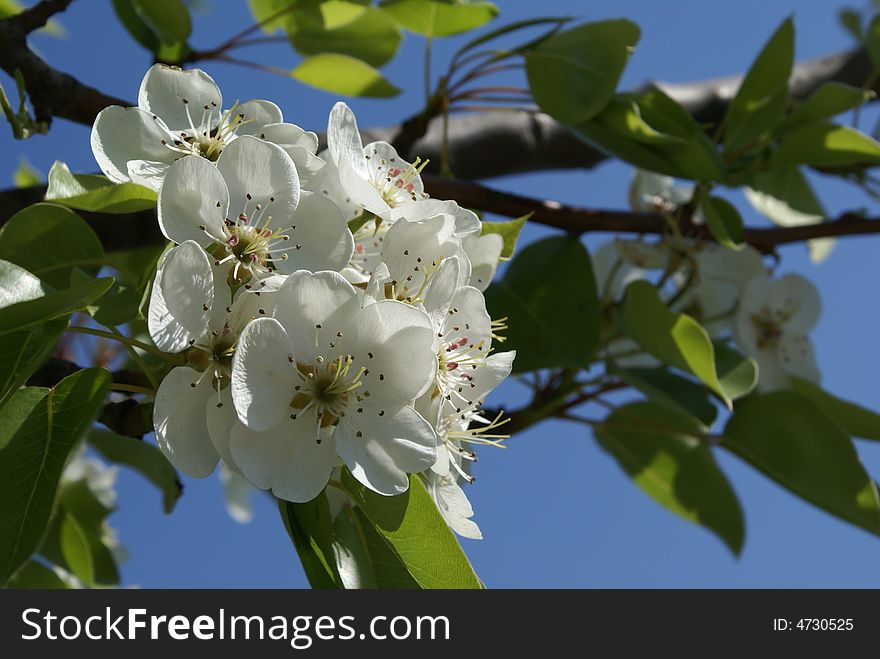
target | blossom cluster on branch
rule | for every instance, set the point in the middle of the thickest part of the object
(329, 311)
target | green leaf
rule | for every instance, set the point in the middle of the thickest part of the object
(670, 390)
(788, 438)
(737, 373)
(724, 221)
(548, 296)
(854, 419)
(784, 196)
(49, 241)
(436, 18)
(36, 575)
(39, 429)
(26, 176)
(662, 450)
(90, 192)
(169, 20)
(509, 231)
(363, 557)
(88, 515)
(140, 31)
(341, 74)
(762, 98)
(413, 528)
(310, 527)
(851, 20)
(831, 99)
(872, 41)
(144, 458)
(372, 36)
(24, 302)
(573, 74)
(272, 15)
(674, 338)
(23, 351)
(76, 551)
(824, 144)
(651, 130)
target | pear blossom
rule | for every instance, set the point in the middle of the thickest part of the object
(190, 312)
(238, 492)
(374, 177)
(180, 113)
(249, 211)
(772, 324)
(719, 278)
(651, 192)
(330, 379)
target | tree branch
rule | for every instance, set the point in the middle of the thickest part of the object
(141, 229)
(52, 93)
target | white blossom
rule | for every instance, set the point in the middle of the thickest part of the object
(772, 325)
(327, 379)
(250, 212)
(180, 113)
(374, 177)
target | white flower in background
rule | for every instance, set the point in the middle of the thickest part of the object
(100, 477)
(613, 272)
(655, 193)
(238, 493)
(484, 253)
(250, 212)
(190, 311)
(373, 177)
(721, 274)
(328, 377)
(180, 113)
(772, 324)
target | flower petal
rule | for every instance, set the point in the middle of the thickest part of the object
(395, 342)
(799, 300)
(484, 253)
(291, 459)
(263, 375)
(255, 115)
(798, 357)
(313, 308)
(181, 430)
(258, 172)
(344, 141)
(123, 134)
(182, 298)
(388, 448)
(165, 88)
(453, 505)
(193, 195)
(319, 236)
(220, 421)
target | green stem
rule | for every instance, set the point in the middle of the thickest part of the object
(118, 336)
(136, 357)
(132, 388)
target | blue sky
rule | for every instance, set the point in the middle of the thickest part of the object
(554, 509)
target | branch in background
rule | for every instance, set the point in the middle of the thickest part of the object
(487, 145)
(482, 145)
(141, 229)
(52, 93)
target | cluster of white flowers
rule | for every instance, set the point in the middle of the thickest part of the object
(729, 291)
(330, 312)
